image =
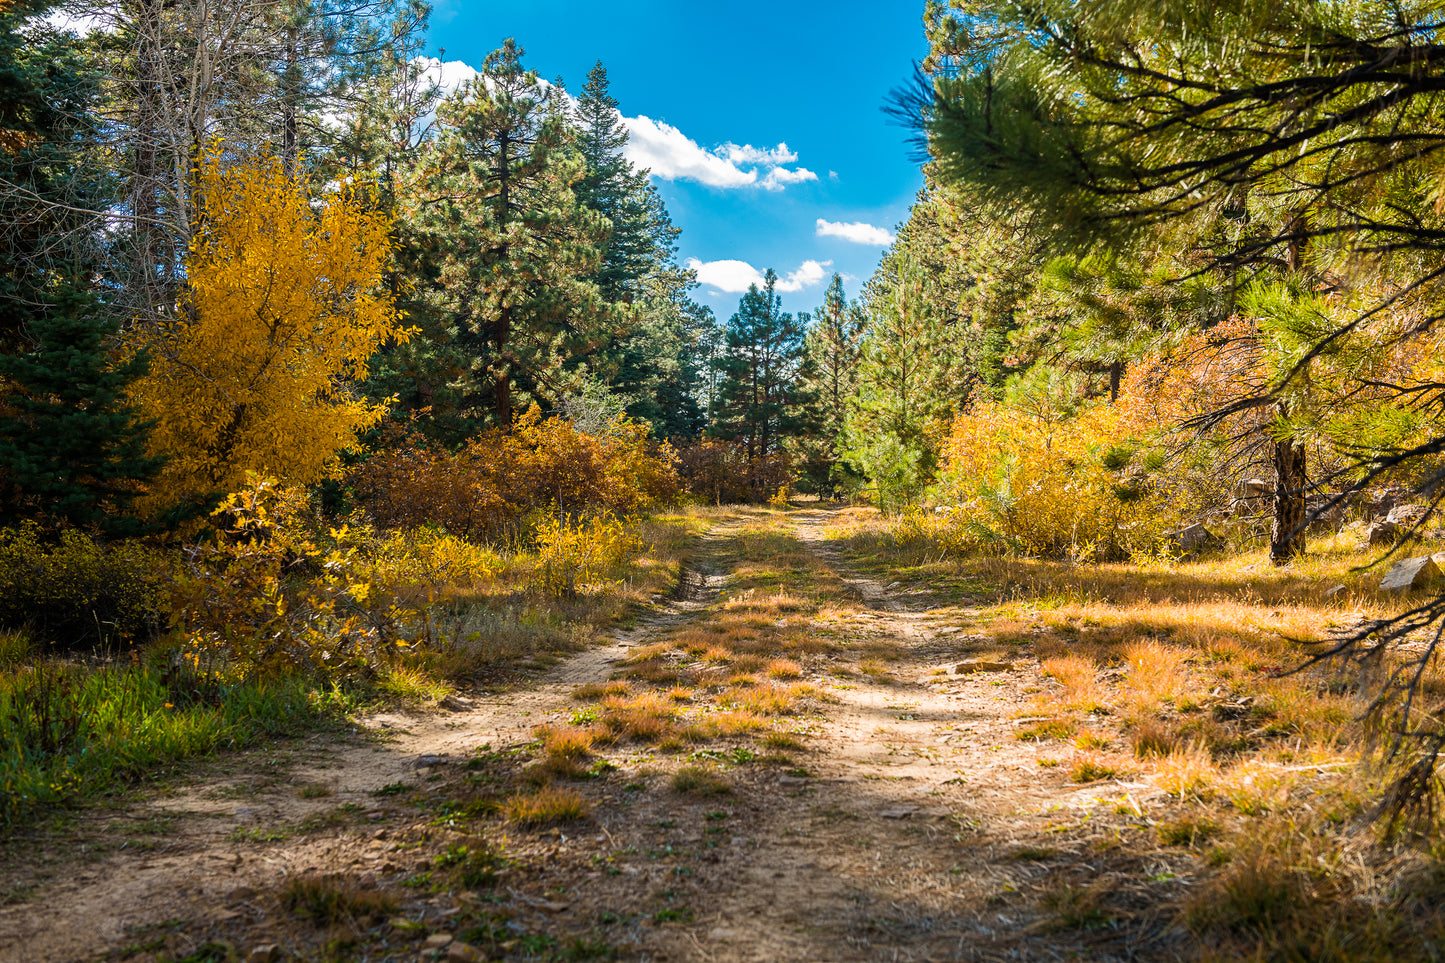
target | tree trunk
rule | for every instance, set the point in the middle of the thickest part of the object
(290, 101)
(1287, 539)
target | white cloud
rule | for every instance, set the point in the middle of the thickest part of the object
(730, 277)
(780, 177)
(857, 232)
(673, 156)
(735, 277)
(666, 151)
(449, 75)
(806, 276)
(748, 154)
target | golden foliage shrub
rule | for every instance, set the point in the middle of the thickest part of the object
(278, 590)
(74, 592)
(572, 553)
(1019, 483)
(284, 306)
(490, 487)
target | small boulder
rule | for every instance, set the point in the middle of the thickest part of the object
(1382, 533)
(437, 940)
(1194, 539)
(458, 952)
(1334, 591)
(264, 953)
(1407, 516)
(1254, 488)
(1411, 573)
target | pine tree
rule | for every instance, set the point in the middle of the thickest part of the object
(514, 249)
(72, 448)
(833, 345)
(650, 362)
(761, 396)
(906, 392)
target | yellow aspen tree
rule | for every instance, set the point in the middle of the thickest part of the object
(284, 307)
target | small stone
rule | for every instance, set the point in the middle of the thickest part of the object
(898, 812)
(423, 762)
(1412, 573)
(1382, 533)
(1334, 591)
(551, 907)
(981, 665)
(792, 781)
(1194, 539)
(463, 953)
(437, 940)
(264, 953)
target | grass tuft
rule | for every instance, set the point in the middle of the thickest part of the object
(546, 806)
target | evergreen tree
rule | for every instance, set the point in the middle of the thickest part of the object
(906, 393)
(761, 395)
(49, 199)
(71, 447)
(833, 345)
(514, 250)
(651, 360)
(71, 450)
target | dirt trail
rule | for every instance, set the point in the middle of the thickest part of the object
(918, 827)
(205, 858)
(904, 841)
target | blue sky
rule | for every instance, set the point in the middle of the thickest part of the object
(712, 93)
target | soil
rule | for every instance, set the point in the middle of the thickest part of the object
(915, 826)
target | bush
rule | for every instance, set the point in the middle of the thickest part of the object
(488, 488)
(76, 592)
(574, 552)
(721, 472)
(1029, 485)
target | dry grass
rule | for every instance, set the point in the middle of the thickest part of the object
(1186, 668)
(335, 900)
(545, 807)
(646, 718)
(700, 781)
(597, 690)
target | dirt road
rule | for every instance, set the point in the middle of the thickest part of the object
(887, 813)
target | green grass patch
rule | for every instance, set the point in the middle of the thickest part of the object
(68, 731)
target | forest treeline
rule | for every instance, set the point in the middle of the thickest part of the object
(267, 240)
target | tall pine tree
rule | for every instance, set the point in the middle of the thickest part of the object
(761, 396)
(71, 450)
(833, 345)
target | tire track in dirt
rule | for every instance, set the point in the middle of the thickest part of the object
(218, 846)
(901, 843)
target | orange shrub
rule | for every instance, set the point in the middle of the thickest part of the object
(1023, 484)
(488, 487)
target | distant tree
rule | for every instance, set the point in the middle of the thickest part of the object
(652, 360)
(834, 349)
(761, 395)
(905, 395)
